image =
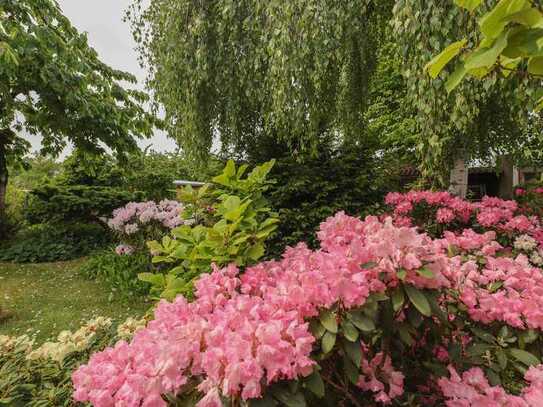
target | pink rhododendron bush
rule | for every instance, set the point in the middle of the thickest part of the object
(400, 310)
(137, 222)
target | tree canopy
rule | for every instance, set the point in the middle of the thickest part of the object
(52, 83)
(235, 73)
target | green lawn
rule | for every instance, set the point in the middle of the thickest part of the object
(45, 299)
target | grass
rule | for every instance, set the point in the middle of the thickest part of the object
(44, 299)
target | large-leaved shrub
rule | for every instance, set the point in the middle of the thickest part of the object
(229, 221)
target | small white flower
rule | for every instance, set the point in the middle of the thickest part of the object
(525, 242)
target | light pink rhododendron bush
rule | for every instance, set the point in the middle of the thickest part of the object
(383, 314)
(137, 222)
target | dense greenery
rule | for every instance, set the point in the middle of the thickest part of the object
(54, 242)
(52, 203)
(53, 84)
(249, 72)
(229, 222)
(305, 194)
(120, 272)
(480, 119)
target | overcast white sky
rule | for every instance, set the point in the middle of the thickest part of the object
(111, 37)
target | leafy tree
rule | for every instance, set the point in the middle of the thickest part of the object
(52, 83)
(449, 125)
(511, 43)
(253, 73)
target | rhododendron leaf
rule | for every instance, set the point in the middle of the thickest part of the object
(349, 331)
(328, 341)
(354, 351)
(314, 383)
(455, 351)
(414, 317)
(329, 321)
(266, 401)
(351, 370)
(285, 396)
(495, 286)
(405, 335)
(525, 357)
(493, 377)
(361, 321)
(317, 329)
(398, 299)
(418, 299)
(401, 273)
(425, 272)
(368, 265)
(528, 336)
(502, 359)
(485, 336)
(478, 349)
(378, 297)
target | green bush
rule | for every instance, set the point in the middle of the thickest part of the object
(121, 272)
(77, 203)
(54, 242)
(230, 223)
(305, 194)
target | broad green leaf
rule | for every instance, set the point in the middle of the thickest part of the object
(368, 265)
(486, 57)
(314, 383)
(535, 65)
(256, 251)
(485, 336)
(405, 335)
(426, 272)
(401, 273)
(455, 78)
(361, 321)
(470, 5)
(317, 329)
(266, 401)
(478, 349)
(525, 357)
(354, 351)
(508, 65)
(157, 280)
(328, 341)
(501, 358)
(349, 330)
(285, 396)
(351, 370)
(329, 321)
(418, 299)
(529, 17)
(436, 65)
(398, 299)
(493, 23)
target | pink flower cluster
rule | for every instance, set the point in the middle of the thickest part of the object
(517, 298)
(128, 219)
(473, 389)
(244, 332)
(491, 213)
(124, 250)
(378, 375)
(231, 340)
